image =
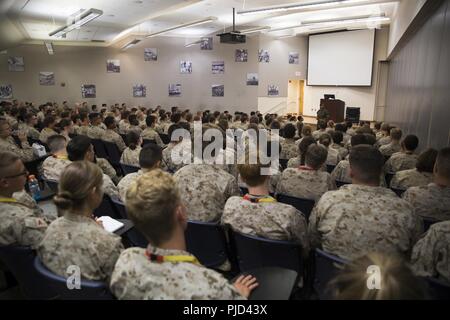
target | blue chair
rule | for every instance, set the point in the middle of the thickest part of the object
(398, 192)
(51, 184)
(254, 252)
(99, 148)
(428, 222)
(330, 168)
(303, 205)
(127, 169)
(19, 261)
(341, 183)
(33, 166)
(326, 267)
(135, 237)
(207, 242)
(53, 283)
(439, 289)
(107, 208)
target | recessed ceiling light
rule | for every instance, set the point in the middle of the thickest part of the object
(138, 1)
(110, 15)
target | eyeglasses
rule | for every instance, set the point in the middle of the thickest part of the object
(23, 173)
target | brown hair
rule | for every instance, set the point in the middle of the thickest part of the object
(6, 160)
(251, 173)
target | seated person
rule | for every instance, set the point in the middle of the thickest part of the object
(149, 159)
(164, 270)
(394, 146)
(76, 238)
(302, 147)
(288, 147)
(49, 128)
(80, 148)
(422, 175)
(433, 201)
(364, 217)
(30, 126)
(337, 138)
(307, 181)
(258, 214)
(333, 156)
(405, 159)
(19, 223)
(150, 132)
(7, 142)
(385, 136)
(168, 161)
(130, 155)
(430, 256)
(321, 129)
(397, 281)
(95, 130)
(56, 163)
(306, 132)
(111, 135)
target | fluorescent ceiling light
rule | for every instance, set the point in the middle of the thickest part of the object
(298, 6)
(257, 29)
(195, 43)
(49, 47)
(364, 17)
(79, 20)
(131, 43)
(184, 25)
(286, 28)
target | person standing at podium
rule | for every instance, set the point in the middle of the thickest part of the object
(323, 114)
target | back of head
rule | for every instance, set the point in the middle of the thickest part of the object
(76, 183)
(171, 130)
(289, 131)
(150, 155)
(250, 170)
(133, 139)
(151, 202)
(275, 125)
(109, 122)
(93, 116)
(378, 125)
(321, 125)
(325, 139)
(341, 127)
(396, 134)
(366, 163)
(370, 139)
(133, 120)
(385, 127)
(303, 147)
(48, 120)
(427, 160)
(77, 148)
(315, 156)
(390, 277)
(306, 131)
(254, 119)
(442, 167)
(337, 137)
(57, 143)
(358, 139)
(411, 142)
(7, 159)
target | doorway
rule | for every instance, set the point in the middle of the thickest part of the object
(295, 96)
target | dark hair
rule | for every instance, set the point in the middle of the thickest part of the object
(125, 114)
(341, 127)
(132, 118)
(172, 128)
(315, 156)
(150, 155)
(48, 120)
(150, 120)
(378, 125)
(56, 142)
(337, 137)
(175, 117)
(396, 133)
(303, 147)
(93, 116)
(411, 142)
(370, 139)
(367, 163)
(426, 160)
(289, 131)
(64, 123)
(358, 139)
(132, 139)
(77, 148)
(321, 124)
(443, 163)
(325, 139)
(109, 121)
(83, 115)
(275, 125)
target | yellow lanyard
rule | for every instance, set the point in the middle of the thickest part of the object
(61, 157)
(8, 200)
(266, 199)
(157, 258)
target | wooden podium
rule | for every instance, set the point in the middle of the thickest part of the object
(336, 108)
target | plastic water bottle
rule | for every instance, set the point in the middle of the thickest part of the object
(33, 186)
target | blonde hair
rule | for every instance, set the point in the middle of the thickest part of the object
(77, 181)
(397, 281)
(151, 202)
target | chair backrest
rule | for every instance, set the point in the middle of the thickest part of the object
(284, 163)
(164, 138)
(303, 205)
(135, 237)
(428, 222)
(207, 242)
(341, 183)
(127, 169)
(330, 168)
(326, 267)
(89, 290)
(107, 208)
(99, 148)
(113, 152)
(398, 192)
(254, 252)
(52, 184)
(33, 166)
(148, 141)
(389, 177)
(19, 261)
(439, 289)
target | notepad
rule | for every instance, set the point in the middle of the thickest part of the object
(110, 224)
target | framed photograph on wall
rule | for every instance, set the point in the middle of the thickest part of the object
(186, 67)
(263, 56)
(113, 66)
(207, 44)
(175, 90)
(88, 91)
(16, 64)
(241, 55)
(293, 57)
(252, 79)
(139, 91)
(6, 91)
(150, 54)
(218, 90)
(46, 78)
(218, 67)
(273, 90)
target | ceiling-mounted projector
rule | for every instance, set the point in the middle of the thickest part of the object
(233, 37)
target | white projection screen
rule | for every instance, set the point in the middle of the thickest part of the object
(341, 58)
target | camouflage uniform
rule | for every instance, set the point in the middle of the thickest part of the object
(112, 136)
(430, 256)
(359, 219)
(383, 141)
(431, 201)
(95, 132)
(108, 169)
(389, 149)
(323, 114)
(294, 162)
(126, 181)
(151, 134)
(400, 161)
(110, 188)
(289, 149)
(305, 184)
(25, 153)
(123, 127)
(204, 190)
(20, 226)
(271, 220)
(135, 277)
(342, 173)
(24, 198)
(82, 131)
(316, 134)
(131, 157)
(333, 157)
(78, 240)
(46, 133)
(53, 166)
(343, 152)
(411, 178)
(168, 163)
(31, 132)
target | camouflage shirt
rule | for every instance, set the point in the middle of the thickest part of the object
(411, 178)
(389, 149)
(431, 254)
(131, 157)
(53, 166)
(431, 201)
(289, 149)
(95, 132)
(168, 162)
(24, 198)
(135, 277)
(78, 240)
(400, 161)
(25, 153)
(342, 173)
(204, 190)
(108, 169)
(358, 219)
(126, 181)
(304, 183)
(151, 134)
(112, 136)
